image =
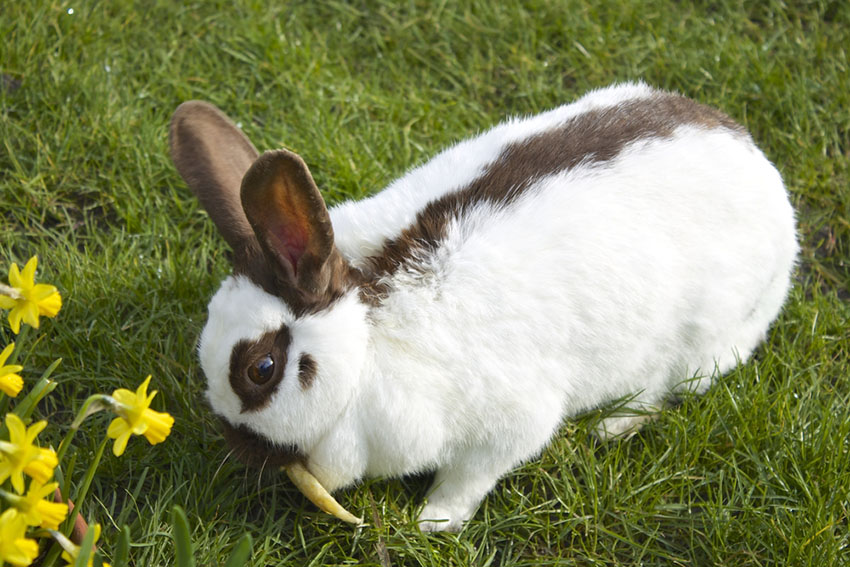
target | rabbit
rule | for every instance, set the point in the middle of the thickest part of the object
(631, 244)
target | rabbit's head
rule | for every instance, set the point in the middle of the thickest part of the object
(286, 336)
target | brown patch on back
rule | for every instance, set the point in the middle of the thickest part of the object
(593, 137)
(257, 396)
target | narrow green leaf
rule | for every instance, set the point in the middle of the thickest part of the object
(241, 552)
(122, 548)
(44, 386)
(182, 538)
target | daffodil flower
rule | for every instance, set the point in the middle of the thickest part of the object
(37, 511)
(136, 418)
(10, 382)
(15, 548)
(26, 299)
(18, 455)
(71, 551)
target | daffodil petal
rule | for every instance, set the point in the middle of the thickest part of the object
(142, 390)
(120, 444)
(17, 430)
(24, 553)
(51, 514)
(41, 291)
(117, 428)
(4, 356)
(17, 479)
(41, 468)
(29, 313)
(28, 274)
(15, 319)
(15, 276)
(124, 397)
(7, 302)
(5, 470)
(11, 384)
(14, 547)
(34, 429)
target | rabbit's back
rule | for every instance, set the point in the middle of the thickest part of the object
(617, 246)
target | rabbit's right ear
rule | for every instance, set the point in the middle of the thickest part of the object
(212, 155)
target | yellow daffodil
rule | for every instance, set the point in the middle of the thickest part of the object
(26, 299)
(136, 418)
(10, 382)
(72, 551)
(37, 511)
(18, 455)
(15, 548)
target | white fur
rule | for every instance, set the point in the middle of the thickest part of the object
(623, 278)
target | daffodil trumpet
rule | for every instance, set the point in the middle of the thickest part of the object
(310, 487)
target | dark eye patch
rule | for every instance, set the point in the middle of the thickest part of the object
(256, 368)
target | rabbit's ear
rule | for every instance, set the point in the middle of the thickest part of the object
(212, 155)
(290, 220)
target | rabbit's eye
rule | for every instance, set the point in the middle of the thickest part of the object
(262, 370)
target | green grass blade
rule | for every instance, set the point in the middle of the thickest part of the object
(241, 552)
(122, 548)
(182, 538)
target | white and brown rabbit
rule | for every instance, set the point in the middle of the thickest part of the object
(630, 244)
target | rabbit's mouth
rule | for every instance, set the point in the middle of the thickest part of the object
(257, 451)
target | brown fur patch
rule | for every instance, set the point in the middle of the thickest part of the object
(257, 451)
(339, 276)
(212, 155)
(307, 369)
(245, 354)
(596, 136)
(299, 262)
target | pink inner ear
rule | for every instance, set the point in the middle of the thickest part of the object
(290, 243)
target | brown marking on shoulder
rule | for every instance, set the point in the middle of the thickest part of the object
(307, 369)
(255, 395)
(256, 451)
(593, 137)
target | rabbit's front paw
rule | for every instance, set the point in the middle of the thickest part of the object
(436, 517)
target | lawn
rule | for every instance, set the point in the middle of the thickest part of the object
(755, 472)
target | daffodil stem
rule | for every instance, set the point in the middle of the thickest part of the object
(82, 492)
(68, 525)
(93, 404)
(88, 408)
(19, 340)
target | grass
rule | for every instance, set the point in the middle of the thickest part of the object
(756, 472)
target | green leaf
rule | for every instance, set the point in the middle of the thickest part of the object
(182, 539)
(44, 386)
(122, 549)
(241, 552)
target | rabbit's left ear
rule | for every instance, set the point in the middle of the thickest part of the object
(290, 220)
